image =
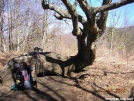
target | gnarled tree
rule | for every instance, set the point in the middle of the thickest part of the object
(93, 26)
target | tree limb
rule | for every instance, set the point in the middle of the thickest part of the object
(75, 4)
(84, 5)
(89, 11)
(81, 19)
(102, 17)
(55, 8)
(113, 5)
(72, 10)
(60, 14)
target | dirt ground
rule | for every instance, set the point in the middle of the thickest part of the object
(100, 82)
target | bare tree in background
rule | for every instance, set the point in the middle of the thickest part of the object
(1, 25)
(22, 28)
(45, 24)
(113, 23)
(20, 25)
(92, 27)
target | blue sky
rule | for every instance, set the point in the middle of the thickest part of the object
(126, 17)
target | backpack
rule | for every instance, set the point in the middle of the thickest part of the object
(23, 77)
(27, 80)
(19, 81)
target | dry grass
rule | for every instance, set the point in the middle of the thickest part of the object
(6, 56)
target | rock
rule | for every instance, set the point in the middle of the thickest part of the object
(51, 63)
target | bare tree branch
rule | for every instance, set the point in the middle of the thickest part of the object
(72, 10)
(81, 19)
(101, 22)
(65, 14)
(89, 12)
(75, 4)
(84, 5)
(55, 8)
(113, 5)
(60, 14)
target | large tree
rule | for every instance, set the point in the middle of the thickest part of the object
(94, 25)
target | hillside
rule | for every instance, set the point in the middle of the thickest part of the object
(129, 29)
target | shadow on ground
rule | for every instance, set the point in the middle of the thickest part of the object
(57, 88)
